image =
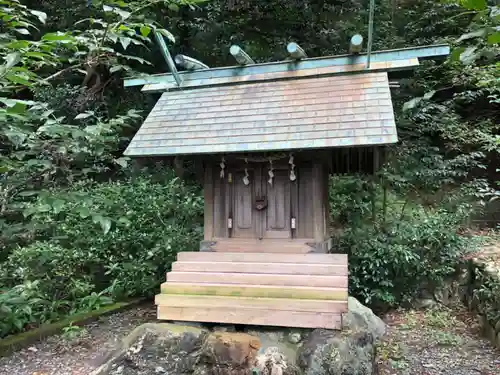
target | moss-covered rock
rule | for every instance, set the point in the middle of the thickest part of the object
(180, 350)
(230, 350)
(177, 349)
(351, 351)
(332, 353)
(155, 349)
(361, 318)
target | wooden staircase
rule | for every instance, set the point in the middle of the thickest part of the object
(307, 290)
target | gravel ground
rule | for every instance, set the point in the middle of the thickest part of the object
(444, 342)
(62, 355)
(440, 341)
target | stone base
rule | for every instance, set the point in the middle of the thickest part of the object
(180, 350)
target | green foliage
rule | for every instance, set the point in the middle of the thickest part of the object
(350, 200)
(450, 126)
(58, 128)
(97, 241)
(488, 292)
(56, 269)
(78, 228)
(73, 332)
(392, 255)
(25, 306)
(124, 233)
(390, 267)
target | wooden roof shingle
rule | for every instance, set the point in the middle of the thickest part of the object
(324, 112)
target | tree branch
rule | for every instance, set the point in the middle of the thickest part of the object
(55, 75)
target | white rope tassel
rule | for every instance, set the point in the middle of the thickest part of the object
(293, 177)
(222, 167)
(246, 180)
(271, 172)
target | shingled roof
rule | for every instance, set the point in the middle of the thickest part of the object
(324, 112)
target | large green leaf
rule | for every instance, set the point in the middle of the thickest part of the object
(12, 59)
(115, 68)
(474, 4)
(104, 222)
(494, 38)
(84, 212)
(63, 37)
(145, 30)
(468, 56)
(167, 34)
(21, 80)
(84, 115)
(455, 54)
(41, 15)
(37, 55)
(125, 41)
(23, 31)
(411, 104)
(18, 44)
(57, 205)
(122, 13)
(473, 34)
(13, 102)
(173, 7)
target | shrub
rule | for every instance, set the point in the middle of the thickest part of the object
(57, 270)
(95, 241)
(402, 247)
(25, 306)
(391, 265)
(121, 234)
(350, 200)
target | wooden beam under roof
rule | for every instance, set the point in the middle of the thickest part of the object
(389, 60)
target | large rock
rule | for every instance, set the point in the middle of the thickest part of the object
(179, 350)
(349, 352)
(361, 318)
(230, 350)
(331, 353)
(175, 349)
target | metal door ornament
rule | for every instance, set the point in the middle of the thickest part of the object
(260, 203)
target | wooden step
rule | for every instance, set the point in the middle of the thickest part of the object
(282, 304)
(264, 268)
(197, 256)
(238, 315)
(258, 279)
(301, 290)
(292, 292)
(238, 245)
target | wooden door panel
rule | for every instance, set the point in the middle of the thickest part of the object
(244, 216)
(305, 213)
(277, 215)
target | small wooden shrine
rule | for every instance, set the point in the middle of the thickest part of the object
(269, 135)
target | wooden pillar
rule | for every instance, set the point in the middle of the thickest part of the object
(318, 202)
(209, 204)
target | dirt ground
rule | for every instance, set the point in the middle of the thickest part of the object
(444, 341)
(78, 351)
